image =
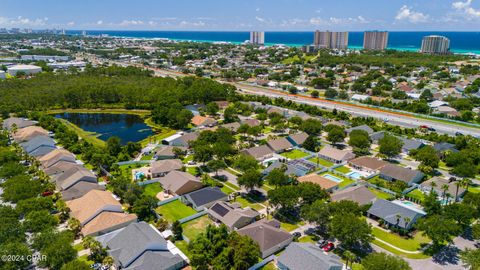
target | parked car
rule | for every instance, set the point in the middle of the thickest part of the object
(431, 129)
(96, 266)
(458, 134)
(322, 243)
(328, 247)
(47, 193)
(296, 234)
(309, 231)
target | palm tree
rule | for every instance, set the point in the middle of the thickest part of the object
(467, 183)
(444, 190)
(108, 261)
(406, 220)
(398, 220)
(349, 258)
(458, 184)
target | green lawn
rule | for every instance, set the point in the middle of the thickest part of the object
(399, 253)
(343, 169)
(85, 259)
(152, 189)
(344, 183)
(247, 203)
(194, 227)
(187, 159)
(175, 210)
(78, 247)
(474, 189)
(147, 157)
(307, 239)
(88, 136)
(410, 244)
(269, 266)
(321, 161)
(380, 194)
(183, 246)
(288, 226)
(193, 170)
(294, 154)
(126, 170)
(416, 194)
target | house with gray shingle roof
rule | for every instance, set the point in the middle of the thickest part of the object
(9, 123)
(160, 168)
(394, 213)
(204, 198)
(297, 139)
(232, 215)
(392, 172)
(410, 144)
(365, 128)
(306, 256)
(139, 246)
(260, 153)
(39, 146)
(359, 194)
(335, 155)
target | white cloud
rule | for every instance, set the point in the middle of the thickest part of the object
(407, 14)
(467, 9)
(99, 22)
(259, 19)
(257, 9)
(338, 21)
(22, 22)
(131, 23)
(71, 24)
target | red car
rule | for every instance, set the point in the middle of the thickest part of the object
(328, 247)
(47, 193)
(424, 127)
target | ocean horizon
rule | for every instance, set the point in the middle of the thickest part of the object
(460, 42)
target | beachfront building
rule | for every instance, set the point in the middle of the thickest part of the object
(375, 40)
(435, 45)
(257, 37)
(330, 40)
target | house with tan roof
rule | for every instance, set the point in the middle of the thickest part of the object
(335, 155)
(268, 235)
(56, 156)
(179, 183)
(168, 152)
(367, 164)
(392, 172)
(162, 167)
(17, 122)
(28, 133)
(79, 189)
(297, 139)
(279, 145)
(232, 215)
(359, 194)
(99, 213)
(202, 121)
(323, 182)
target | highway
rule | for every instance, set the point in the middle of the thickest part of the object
(393, 118)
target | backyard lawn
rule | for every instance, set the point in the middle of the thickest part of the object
(175, 210)
(345, 181)
(474, 189)
(183, 246)
(410, 244)
(294, 154)
(321, 161)
(343, 169)
(380, 194)
(416, 194)
(288, 226)
(147, 157)
(194, 227)
(269, 266)
(192, 170)
(246, 203)
(152, 189)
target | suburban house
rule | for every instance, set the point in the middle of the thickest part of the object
(260, 153)
(39, 146)
(160, 168)
(167, 152)
(180, 139)
(19, 123)
(323, 182)
(307, 256)
(367, 164)
(250, 122)
(365, 128)
(204, 198)
(202, 121)
(394, 213)
(99, 213)
(56, 156)
(279, 145)
(359, 194)
(28, 133)
(232, 215)
(72, 176)
(231, 126)
(442, 148)
(139, 246)
(377, 136)
(292, 167)
(392, 172)
(268, 235)
(297, 139)
(60, 167)
(179, 183)
(79, 189)
(437, 183)
(410, 144)
(335, 155)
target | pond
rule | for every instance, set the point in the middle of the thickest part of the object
(128, 127)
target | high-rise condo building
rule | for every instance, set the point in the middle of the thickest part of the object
(435, 45)
(330, 40)
(257, 37)
(375, 40)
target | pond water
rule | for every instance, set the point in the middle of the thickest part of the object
(128, 127)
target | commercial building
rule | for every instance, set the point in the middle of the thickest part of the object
(25, 69)
(375, 40)
(257, 38)
(435, 45)
(330, 40)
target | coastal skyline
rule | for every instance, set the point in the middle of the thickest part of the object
(263, 15)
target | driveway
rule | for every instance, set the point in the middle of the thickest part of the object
(230, 177)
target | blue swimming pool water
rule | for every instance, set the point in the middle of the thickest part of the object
(354, 175)
(333, 178)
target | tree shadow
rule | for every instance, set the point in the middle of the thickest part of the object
(447, 255)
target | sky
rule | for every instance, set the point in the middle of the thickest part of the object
(243, 15)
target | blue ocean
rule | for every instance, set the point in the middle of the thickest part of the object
(460, 42)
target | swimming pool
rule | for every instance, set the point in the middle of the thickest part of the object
(333, 178)
(139, 175)
(354, 175)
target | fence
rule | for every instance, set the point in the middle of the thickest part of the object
(151, 181)
(168, 200)
(192, 217)
(382, 189)
(262, 263)
(133, 162)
